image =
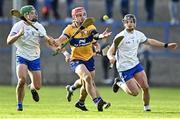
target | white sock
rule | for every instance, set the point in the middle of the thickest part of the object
(70, 89)
(31, 87)
(146, 107)
(120, 83)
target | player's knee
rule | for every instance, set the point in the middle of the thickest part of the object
(22, 78)
(21, 82)
(87, 78)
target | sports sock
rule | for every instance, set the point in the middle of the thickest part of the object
(72, 88)
(146, 107)
(20, 105)
(81, 102)
(96, 100)
(120, 83)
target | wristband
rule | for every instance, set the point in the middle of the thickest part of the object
(166, 45)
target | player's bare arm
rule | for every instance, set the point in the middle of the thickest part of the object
(102, 36)
(157, 43)
(110, 54)
(13, 38)
(53, 46)
(51, 42)
(59, 41)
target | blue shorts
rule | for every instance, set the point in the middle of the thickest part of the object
(128, 74)
(89, 64)
(33, 65)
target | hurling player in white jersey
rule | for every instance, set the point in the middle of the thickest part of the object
(26, 39)
(132, 75)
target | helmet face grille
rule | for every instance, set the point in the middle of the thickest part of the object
(129, 17)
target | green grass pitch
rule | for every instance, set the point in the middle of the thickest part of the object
(165, 103)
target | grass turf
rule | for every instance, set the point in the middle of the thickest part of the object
(165, 103)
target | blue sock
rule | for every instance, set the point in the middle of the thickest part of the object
(96, 100)
(20, 106)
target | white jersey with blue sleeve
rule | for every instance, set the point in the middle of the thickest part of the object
(126, 55)
(28, 45)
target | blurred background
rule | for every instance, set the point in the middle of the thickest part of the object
(158, 19)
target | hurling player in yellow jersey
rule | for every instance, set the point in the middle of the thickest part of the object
(81, 60)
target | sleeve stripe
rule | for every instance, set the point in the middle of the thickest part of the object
(13, 33)
(145, 40)
(67, 35)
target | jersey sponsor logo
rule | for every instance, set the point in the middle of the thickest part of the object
(29, 32)
(128, 42)
(81, 41)
(132, 37)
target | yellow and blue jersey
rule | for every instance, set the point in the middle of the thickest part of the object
(81, 44)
